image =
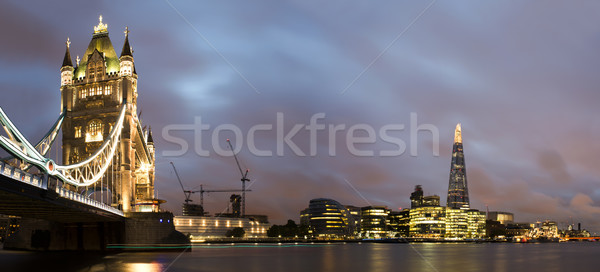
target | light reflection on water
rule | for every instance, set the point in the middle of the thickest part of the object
(144, 267)
(326, 257)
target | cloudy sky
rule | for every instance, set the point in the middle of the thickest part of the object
(521, 77)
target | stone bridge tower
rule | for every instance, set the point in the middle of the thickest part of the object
(93, 93)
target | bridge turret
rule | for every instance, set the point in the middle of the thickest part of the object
(66, 70)
(150, 143)
(126, 59)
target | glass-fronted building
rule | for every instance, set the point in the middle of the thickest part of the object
(457, 223)
(326, 218)
(476, 224)
(458, 191)
(354, 215)
(374, 221)
(399, 223)
(428, 222)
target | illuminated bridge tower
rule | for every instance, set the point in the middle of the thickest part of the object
(93, 93)
(458, 192)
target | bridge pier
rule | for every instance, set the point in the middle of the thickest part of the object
(42, 235)
(135, 229)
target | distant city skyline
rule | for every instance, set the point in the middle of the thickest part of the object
(520, 77)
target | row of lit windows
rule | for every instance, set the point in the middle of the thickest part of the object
(94, 128)
(95, 91)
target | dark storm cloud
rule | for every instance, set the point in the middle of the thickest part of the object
(520, 76)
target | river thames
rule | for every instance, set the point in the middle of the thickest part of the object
(489, 257)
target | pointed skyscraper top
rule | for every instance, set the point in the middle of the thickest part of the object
(67, 60)
(458, 190)
(458, 134)
(126, 47)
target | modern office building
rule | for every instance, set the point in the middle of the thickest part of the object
(354, 215)
(326, 218)
(305, 217)
(457, 223)
(448, 223)
(502, 217)
(476, 224)
(432, 200)
(416, 197)
(428, 222)
(399, 223)
(374, 221)
(458, 192)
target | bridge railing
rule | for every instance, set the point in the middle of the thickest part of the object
(17, 174)
(88, 201)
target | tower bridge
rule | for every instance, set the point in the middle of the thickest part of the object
(107, 168)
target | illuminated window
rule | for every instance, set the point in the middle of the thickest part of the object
(75, 157)
(77, 132)
(94, 131)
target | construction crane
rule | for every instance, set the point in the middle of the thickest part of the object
(202, 191)
(187, 193)
(243, 179)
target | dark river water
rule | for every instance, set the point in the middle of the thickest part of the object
(583, 256)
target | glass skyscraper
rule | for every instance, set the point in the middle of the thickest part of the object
(458, 192)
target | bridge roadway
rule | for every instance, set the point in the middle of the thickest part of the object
(25, 195)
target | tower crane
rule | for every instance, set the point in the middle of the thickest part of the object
(187, 193)
(243, 179)
(202, 191)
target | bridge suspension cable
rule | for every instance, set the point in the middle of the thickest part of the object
(83, 173)
(45, 144)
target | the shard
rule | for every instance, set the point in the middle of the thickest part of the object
(458, 192)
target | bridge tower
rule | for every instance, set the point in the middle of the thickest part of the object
(92, 94)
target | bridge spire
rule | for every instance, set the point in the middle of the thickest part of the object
(126, 47)
(66, 70)
(67, 60)
(126, 60)
(101, 27)
(150, 140)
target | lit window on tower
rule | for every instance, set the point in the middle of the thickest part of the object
(94, 131)
(75, 157)
(78, 132)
